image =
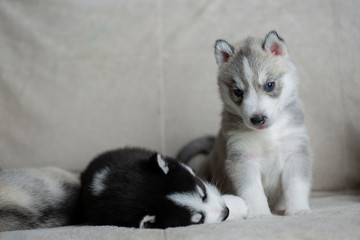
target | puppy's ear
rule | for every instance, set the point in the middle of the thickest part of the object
(147, 221)
(161, 162)
(223, 51)
(275, 45)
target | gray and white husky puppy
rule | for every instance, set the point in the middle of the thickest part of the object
(38, 198)
(262, 151)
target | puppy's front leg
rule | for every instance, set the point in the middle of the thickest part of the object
(246, 177)
(296, 182)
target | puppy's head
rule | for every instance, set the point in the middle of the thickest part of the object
(203, 202)
(256, 79)
(188, 199)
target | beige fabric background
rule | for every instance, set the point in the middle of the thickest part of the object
(78, 77)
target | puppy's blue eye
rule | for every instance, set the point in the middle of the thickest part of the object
(269, 86)
(238, 92)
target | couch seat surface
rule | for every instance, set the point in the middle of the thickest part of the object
(334, 215)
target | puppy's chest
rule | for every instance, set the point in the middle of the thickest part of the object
(269, 149)
(271, 157)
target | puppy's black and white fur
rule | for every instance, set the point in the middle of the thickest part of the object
(38, 198)
(134, 187)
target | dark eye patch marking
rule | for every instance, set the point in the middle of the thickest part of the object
(236, 94)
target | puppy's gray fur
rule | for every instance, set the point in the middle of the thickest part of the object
(267, 162)
(37, 198)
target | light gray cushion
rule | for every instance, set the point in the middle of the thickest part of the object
(333, 216)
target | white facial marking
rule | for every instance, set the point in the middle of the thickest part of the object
(188, 169)
(162, 164)
(186, 199)
(239, 83)
(97, 185)
(250, 103)
(196, 218)
(201, 192)
(247, 70)
(262, 77)
(212, 208)
(145, 220)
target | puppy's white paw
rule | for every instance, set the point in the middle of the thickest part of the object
(258, 212)
(237, 206)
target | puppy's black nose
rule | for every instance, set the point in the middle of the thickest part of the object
(225, 213)
(258, 120)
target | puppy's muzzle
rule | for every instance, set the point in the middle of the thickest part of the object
(258, 120)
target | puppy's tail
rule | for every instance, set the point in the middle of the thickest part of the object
(202, 145)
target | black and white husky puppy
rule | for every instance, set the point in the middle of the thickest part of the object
(38, 198)
(133, 187)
